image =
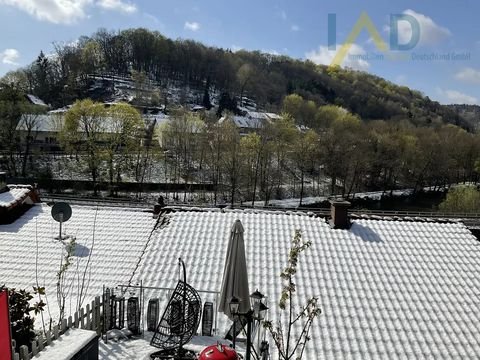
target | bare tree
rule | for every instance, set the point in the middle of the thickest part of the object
(288, 346)
(29, 124)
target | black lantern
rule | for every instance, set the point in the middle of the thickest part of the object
(256, 299)
(234, 305)
(262, 311)
(152, 314)
(133, 315)
(117, 312)
(256, 313)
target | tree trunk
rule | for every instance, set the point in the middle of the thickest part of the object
(302, 184)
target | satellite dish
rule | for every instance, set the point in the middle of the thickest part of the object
(61, 212)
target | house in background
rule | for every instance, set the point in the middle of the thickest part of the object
(15, 200)
(250, 121)
(41, 131)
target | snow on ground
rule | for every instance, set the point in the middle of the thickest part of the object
(66, 167)
(140, 348)
(371, 195)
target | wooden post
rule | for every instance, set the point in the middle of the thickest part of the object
(88, 322)
(75, 316)
(14, 345)
(55, 332)
(40, 342)
(97, 316)
(34, 348)
(69, 323)
(106, 310)
(24, 353)
(64, 326)
(94, 320)
(82, 318)
(49, 337)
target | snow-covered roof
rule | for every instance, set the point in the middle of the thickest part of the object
(67, 346)
(36, 100)
(115, 237)
(15, 194)
(387, 289)
(273, 116)
(159, 118)
(244, 122)
(52, 122)
(257, 115)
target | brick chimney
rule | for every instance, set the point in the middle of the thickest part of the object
(339, 214)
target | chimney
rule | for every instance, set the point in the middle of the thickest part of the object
(157, 208)
(339, 214)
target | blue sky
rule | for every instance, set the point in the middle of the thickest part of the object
(298, 29)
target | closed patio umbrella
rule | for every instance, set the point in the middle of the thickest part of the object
(235, 279)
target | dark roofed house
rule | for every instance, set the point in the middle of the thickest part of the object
(15, 200)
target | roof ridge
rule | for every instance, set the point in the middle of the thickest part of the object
(354, 215)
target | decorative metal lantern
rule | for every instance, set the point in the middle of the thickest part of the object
(133, 315)
(207, 319)
(153, 311)
(117, 312)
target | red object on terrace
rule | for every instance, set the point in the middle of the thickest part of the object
(5, 336)
(218, 352)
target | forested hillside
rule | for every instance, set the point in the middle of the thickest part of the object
(470, 113)
(66, 76)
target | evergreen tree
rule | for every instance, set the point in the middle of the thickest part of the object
(42, 74)
(206, 95)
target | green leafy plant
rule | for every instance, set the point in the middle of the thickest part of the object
(290, 346)
(62, 287)
(20, 309)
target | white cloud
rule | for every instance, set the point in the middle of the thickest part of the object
(54, 11)
(66, 11)
(10, 56)
(295, 27)
(456, 97)
(193, 26)
(117, 5)
(468, 75)
(430, 32)
(283, 15)
(353, 59)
